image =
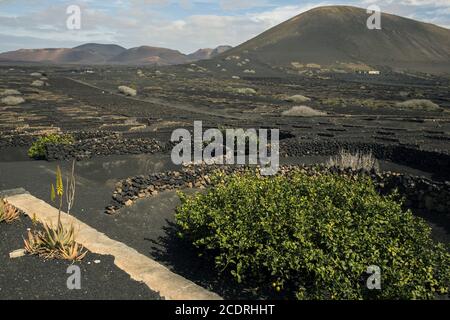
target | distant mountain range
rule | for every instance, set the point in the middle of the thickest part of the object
(324, 38)
(337, 37)
(94, 53)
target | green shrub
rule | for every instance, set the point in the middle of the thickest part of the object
(37, 150)
(313, 237)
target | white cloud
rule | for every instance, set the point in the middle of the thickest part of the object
(214, 30)
(275, 16)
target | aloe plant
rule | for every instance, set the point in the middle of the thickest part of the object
(57, 242)
(57, 193)
(54, 243)
(8, 213)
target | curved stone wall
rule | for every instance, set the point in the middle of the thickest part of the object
(419, 192)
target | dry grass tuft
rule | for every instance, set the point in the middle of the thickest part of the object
(303, 111)
(12, 100)
(355, 161)
(247, 91)
(38, 83)
(298, 98)
(9, 92)
(422, 104)
(127, 91)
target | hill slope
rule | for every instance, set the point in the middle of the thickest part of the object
(105, 51)
(208, 53)
(150, 55)
(35, 55)
(338, 36)
(91, 53)
(200, 54)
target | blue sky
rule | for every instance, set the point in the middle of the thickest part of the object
(185, 25)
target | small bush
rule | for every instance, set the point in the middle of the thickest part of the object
(303, 111)
(37, 150)
(9, 92)
(38, 83)
(298, 98)
(54, 243)
(313, 66)
(418, 104)
(313, 237)
(12, 100)
(247, 91)
(8, 213)
(355, 161)
(127, 91)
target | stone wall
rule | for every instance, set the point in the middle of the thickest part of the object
(87, 144)
(430, 161)
(14, 139)
(419, 192)
(113, 144)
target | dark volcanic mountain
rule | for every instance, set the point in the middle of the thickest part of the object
(338, 36)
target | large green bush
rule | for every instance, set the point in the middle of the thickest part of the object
(37, 150)
(313, 237)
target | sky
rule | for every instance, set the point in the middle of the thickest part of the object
(185, 25)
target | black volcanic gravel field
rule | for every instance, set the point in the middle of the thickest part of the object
(415, 141)
(30, 277)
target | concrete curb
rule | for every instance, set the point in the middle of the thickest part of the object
(157, 277)
(12, 192)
